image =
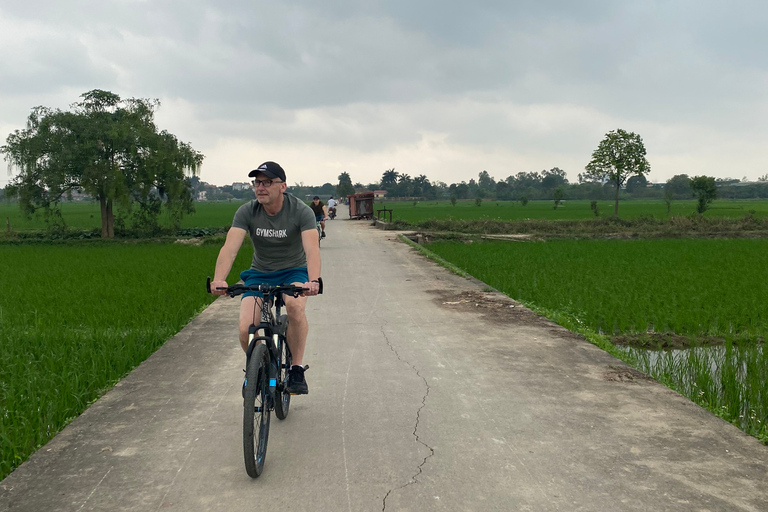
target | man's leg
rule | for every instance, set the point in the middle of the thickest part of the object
(250, 313)
(298, 327)
(322, 227)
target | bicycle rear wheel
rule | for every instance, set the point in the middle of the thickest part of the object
(282, 399)
(256, 409)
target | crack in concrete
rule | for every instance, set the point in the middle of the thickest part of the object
(420, 467)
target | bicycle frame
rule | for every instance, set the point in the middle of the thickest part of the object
(274, 326)
(262, 393)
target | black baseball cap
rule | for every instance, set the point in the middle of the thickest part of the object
(316, 197)
(271, 169)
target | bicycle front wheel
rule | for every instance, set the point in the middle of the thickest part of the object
(283, 399)
(256, 411)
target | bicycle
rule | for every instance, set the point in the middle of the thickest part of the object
(319, 228)
(268, 360)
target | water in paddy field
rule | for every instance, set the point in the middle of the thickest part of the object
(733, 377)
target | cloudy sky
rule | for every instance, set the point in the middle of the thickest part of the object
(441, 88)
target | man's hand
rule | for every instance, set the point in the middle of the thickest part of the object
(313, 288)
(219, 284)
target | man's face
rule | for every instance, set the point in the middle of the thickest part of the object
(267, 194)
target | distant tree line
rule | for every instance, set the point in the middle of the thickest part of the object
(616, 171)
(110, 149)
(522, 186)
(542, 185)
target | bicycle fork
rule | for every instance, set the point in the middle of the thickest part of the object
(272, 342)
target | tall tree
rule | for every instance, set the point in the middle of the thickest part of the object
(678, 187)
(109, 148)
(637, 184)
(422, 187)
(345, 187)
(553, 179)
(404, 185)
(619, 155)
(389, 179)
(705, 190)
(486, 182)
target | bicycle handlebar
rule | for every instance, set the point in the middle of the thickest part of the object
(266, 289)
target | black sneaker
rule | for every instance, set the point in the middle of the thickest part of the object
(296, 384)
(323, 235)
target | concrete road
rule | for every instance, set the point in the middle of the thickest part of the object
(426, 393)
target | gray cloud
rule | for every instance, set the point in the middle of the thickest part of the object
(506, 78)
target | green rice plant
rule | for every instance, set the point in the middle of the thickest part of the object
(729, 380)
(87, 215)
(74, 319)
(688, 286)
(467, 210)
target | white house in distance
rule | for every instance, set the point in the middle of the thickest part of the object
(241, 186)
(379, 194)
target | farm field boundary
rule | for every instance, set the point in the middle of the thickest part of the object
(695, 226)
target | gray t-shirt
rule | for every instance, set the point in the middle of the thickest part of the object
(276, 239)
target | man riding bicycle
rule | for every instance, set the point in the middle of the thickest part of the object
(321, 213)
(286, 250)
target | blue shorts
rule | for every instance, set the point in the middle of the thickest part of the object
(319, 218)
(290, 275)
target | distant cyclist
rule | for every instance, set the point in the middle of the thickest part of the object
(321, 213)
(285, 251)
(331, 208)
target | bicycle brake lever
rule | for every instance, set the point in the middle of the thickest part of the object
(208, 284)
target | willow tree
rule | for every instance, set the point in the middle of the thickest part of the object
(108, 148)
(619, 155)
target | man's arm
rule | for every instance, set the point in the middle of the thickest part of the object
(325, 211)
(227, 255)
(311, 243)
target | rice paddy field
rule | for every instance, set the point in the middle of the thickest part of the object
(86, 215)
(75, 318)
(570, 210)
(706, 290)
